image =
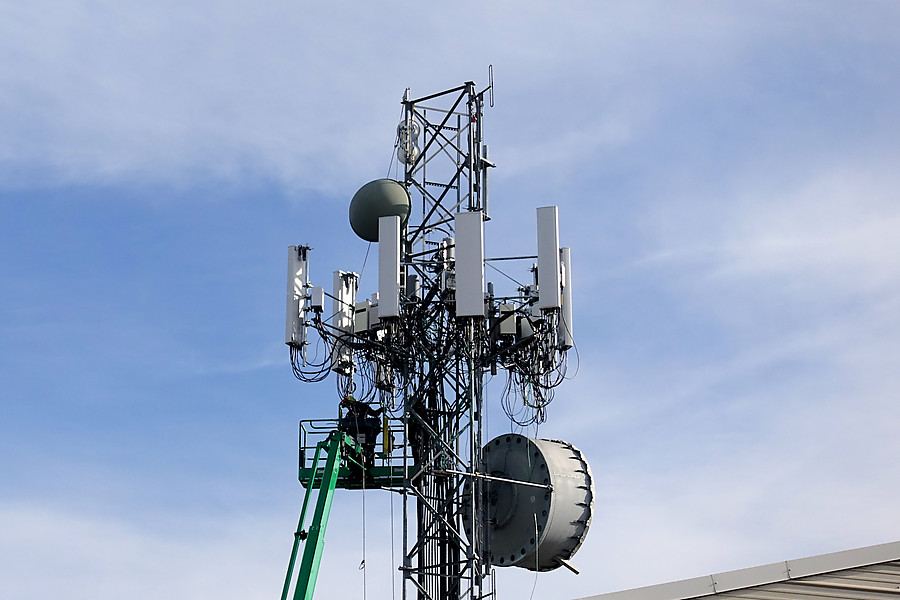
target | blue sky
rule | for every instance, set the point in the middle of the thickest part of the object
(727, 180)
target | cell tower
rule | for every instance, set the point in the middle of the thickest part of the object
(411, 362)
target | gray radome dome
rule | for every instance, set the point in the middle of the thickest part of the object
(379, 198)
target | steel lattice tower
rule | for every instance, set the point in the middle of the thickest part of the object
(411, 364)
(445, 376)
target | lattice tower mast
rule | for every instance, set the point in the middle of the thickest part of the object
(442, 148)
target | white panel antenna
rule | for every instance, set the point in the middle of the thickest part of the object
(469, 229)
(566, 337)
(342, 320)
(297, 289)
(389, 266)
(548, 258)
(374, 311)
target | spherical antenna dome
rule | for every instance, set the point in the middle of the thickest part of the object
(379, 198)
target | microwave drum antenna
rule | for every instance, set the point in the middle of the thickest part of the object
(540, 523)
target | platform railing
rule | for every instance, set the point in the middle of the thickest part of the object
(384, 460)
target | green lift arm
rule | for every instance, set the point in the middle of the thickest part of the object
(339, 447)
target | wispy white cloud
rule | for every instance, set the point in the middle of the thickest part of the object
(306, 95)
(50, 552)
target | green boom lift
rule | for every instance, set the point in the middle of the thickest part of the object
(345, 467)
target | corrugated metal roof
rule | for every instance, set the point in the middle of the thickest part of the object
(871, 573)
